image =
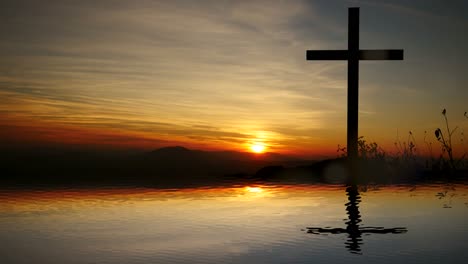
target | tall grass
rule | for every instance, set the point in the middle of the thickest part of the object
(407, 151)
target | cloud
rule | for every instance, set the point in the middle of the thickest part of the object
(212, 71)
(164, 66)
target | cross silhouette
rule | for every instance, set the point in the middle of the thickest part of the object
(354, 231)
(353, 55)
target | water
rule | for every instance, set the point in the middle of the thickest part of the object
(243, 224)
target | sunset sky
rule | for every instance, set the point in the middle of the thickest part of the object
(225, 74)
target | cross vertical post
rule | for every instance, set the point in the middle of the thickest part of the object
(353, 82)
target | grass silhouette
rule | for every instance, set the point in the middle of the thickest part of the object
(406, 155)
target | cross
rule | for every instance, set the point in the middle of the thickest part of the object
(353, 55)
(354, 231)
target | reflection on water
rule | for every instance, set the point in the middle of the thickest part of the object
(242, 224)
(354, 231)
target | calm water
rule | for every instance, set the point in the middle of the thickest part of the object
(245, 224)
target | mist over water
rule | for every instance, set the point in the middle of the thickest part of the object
(260, 223)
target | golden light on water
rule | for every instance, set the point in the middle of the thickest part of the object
(254, 189)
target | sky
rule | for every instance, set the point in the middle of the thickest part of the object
(223, 75)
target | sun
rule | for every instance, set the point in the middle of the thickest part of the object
(257, 147)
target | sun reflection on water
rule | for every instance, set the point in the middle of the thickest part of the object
(224, 223)
(254, 189)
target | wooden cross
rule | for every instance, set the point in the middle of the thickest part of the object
(353, 55)
(353, 228)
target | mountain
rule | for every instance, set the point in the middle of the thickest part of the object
(178, 152)
(182, 161)
(164, 166)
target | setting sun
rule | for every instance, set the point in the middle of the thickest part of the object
(257, 147)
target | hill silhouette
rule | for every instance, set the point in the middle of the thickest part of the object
(180, 167)
(168, 166)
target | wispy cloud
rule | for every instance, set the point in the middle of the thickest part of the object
(163, 67)
(207, 71)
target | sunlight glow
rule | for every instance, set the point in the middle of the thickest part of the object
(257, 147)
(254, 189)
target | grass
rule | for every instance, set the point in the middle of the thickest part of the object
(406, 155)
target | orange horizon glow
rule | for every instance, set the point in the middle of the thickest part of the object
(27, 132)
(24, 132)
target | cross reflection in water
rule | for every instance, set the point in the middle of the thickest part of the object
(354, 231)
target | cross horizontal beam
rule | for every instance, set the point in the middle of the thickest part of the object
(390, 54)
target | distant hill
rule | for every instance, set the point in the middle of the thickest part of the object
(178, 152)
(179, 167)
(163, 166)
